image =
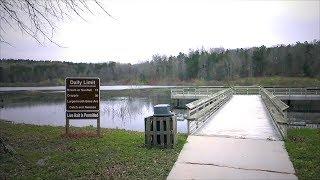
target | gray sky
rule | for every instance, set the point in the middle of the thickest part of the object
(146, 27)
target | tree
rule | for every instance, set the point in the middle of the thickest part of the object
(192, 64)
(37, 18)
(288, 64)
(202, 66)
(301, 59)
(259, 60)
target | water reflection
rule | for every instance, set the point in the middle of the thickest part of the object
(121, 112)
(62, 88)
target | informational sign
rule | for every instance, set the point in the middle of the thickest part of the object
(82, 99)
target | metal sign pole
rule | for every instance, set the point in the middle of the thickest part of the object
(98, 125)
(67, 126)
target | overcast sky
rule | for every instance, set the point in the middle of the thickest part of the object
(142, 28)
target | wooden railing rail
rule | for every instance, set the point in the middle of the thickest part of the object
(194, 91)
(277, 110)
(199, 110)
(209, 90)
(294, 91)
(246, 89)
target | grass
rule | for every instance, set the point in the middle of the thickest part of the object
(276, 81)
(43, 152)
(29, 97)
(303, 146)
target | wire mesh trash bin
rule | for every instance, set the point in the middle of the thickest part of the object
(161, 128)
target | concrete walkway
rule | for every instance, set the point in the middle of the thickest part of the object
(204, 157)
(235, 144)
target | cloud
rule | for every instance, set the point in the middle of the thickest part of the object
(143, 28)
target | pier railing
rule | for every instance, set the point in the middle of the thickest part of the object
(277, 110)
(294, 91)
(198, 111)
(194, 92)
(246, 90)
(200, 92)
(211, 98)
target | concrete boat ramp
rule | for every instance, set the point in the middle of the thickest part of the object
(238, 142)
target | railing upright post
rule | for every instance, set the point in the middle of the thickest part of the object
(305, 90)
(289, 92)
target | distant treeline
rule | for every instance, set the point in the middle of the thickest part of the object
(298, 60)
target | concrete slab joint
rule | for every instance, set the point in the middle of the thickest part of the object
(207, 157)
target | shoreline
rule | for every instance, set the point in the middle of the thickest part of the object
(44, 152)
(271, 81)
(76, 127)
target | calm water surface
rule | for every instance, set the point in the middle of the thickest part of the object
(116, 112)
(62, 88)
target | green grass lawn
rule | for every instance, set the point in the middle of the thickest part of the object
(276, 81)
(43, 152)
(303, 146)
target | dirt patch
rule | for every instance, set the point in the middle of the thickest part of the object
(78, 135)
(115, 170)
(297, 139)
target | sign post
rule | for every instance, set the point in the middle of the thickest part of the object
(82, 100)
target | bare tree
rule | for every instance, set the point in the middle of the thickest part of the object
(37, 18)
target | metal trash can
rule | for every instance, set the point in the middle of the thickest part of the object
(161, 128)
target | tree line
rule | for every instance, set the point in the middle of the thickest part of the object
(216, 64)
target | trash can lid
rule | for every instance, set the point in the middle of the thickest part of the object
(162, 105)
(162, 110)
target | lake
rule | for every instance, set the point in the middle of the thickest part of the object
(120, 106)
(62, 88)
(123, 107)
